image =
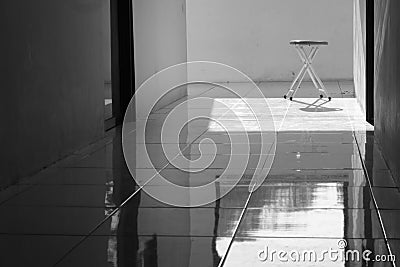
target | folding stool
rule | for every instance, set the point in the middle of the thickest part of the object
(307, 59)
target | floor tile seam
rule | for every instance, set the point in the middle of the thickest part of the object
(175, 101)
(340, 88)
(29, 187)
(81, 167)
(92, 168)
(85, 155)
(199, 95)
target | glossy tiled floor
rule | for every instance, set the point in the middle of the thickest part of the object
(87, 210)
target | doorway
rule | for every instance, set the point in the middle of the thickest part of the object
(370, 64)
(120, 89)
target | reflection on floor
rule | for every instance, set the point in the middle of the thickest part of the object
(87, 210)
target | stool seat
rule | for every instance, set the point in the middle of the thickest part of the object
(308, 42)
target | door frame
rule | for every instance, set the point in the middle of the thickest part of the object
(370, 64)
(123, 67)
(122, 59)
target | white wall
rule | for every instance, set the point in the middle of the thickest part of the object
(254, 35)
(359, 51)
(160, 40)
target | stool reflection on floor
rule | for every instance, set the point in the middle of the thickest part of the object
(307, 59)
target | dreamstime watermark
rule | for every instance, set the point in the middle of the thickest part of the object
(139, 129)
(339, 254)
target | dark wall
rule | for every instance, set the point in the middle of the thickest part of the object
(387, 81)
(51, 76)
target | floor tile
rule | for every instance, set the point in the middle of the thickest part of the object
(381, 178)
(34, 250)
(391, 222)
(171, 221)
(387, 198)
(289, 146)
(50, 220)
(303, 252)
(310, 196)
(310, 223)
(350, 177)
(316, 161)
(395, 248)
(234, 198)
(198, 89)
(276, 175)
(316, 137)
(65, 195)
(12, 191)
(148, 251)
(347, 88)
(315, 193)
(194, 177)
(74, 176)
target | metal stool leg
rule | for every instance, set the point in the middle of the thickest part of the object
(291, 90)
(312, 55)
(322, 89)
(299, 77)
(299, 83)
(307, 59)
(319, 85)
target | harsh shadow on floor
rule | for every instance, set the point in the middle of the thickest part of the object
(317, 106)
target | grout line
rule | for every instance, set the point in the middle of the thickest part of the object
(29, 187)
(340, 89)
(204, 91)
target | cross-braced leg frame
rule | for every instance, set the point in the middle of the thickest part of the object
(307, 67)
